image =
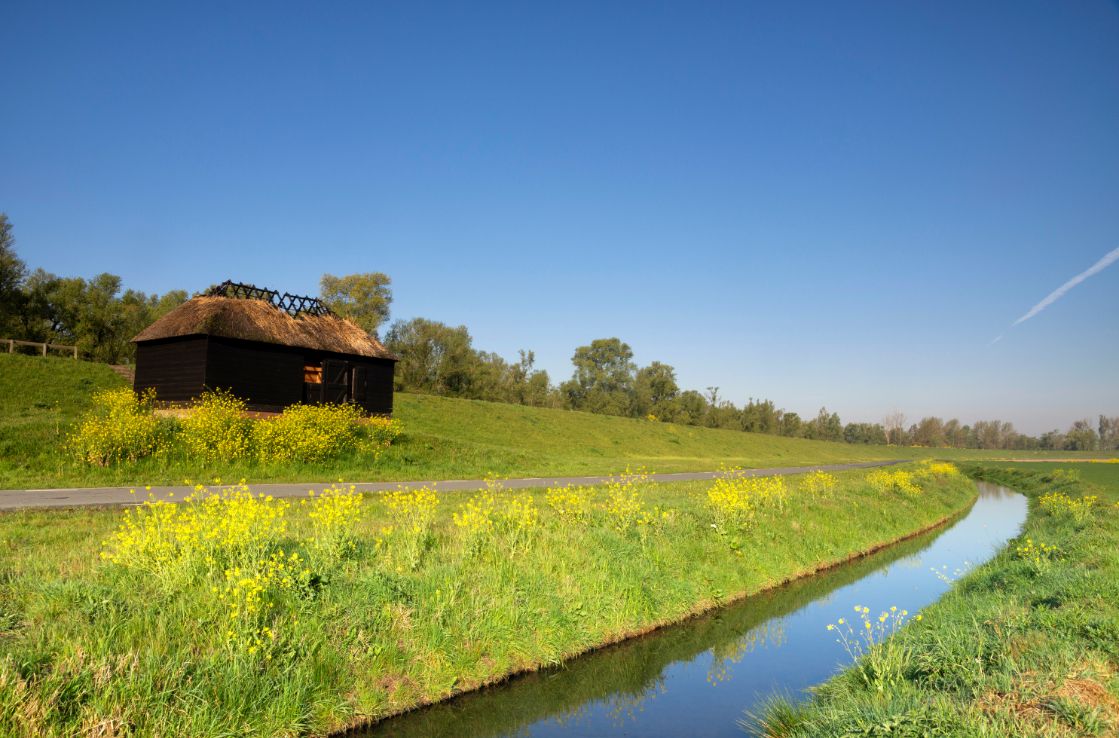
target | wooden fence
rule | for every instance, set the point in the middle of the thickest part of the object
(42, 347)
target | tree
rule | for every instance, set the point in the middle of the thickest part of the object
(1109, 433)
(363, 298)
(604, 378)
(760, 416)
(894, 423)
(929, 432)
(826, 427)
(791, 425)
(691, 408)
(1081, 437)
(864, 433)
(12, 273)
(434, 357)
(655, 391)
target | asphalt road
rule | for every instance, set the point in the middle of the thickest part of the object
(16, 499)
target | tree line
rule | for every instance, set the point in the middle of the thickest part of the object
(437, 358)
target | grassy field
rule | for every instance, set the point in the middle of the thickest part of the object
(41, 398)
(246, 617)
(1026, 645)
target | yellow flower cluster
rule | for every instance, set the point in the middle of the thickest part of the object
(121, 426)
(571, 503)
(383, 431)
(818, 483)
(334, 515)
(176, 541)
(939, 468)
(309, 433)
(1058, 504)
(254, 596)
(230, 542)
(412, 512)
(520, 512)
(216, 429)
(625, 504)
(1037, 555)
(858, 640)
(735, 499)
(886, 482)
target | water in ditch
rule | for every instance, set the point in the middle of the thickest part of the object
(697, 678)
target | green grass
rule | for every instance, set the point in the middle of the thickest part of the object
(92, 647)
(1015, 649)
(41, 398)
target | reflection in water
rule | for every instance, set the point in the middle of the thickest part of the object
(696, 678)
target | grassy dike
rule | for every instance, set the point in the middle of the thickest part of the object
(1026, 645)
(444, 438)
(93, 647)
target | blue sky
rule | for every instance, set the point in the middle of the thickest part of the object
(817, 203)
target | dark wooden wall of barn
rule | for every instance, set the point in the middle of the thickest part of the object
(266, 377)
(378, 385)
(376, 395)
(175, 368)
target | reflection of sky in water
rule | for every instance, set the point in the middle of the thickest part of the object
(706, 694)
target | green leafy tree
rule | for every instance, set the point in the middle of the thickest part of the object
(691, 408)
(604, 378)
(791, 425)
(826, 427)
(434, 357)
(655, 391)
(363, 298)
(760, 416)
(12, 273)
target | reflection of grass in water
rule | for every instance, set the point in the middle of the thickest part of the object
(624, 676)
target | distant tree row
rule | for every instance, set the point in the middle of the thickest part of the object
(436, 358)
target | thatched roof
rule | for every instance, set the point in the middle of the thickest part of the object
(256, 320)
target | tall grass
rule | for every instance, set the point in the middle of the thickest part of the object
(236, 613)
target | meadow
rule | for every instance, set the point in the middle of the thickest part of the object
(234, 614)
(43, 399)
(1024, 645)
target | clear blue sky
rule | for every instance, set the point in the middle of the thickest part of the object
(817, 203)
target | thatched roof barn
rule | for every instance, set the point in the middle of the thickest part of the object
(269, 349)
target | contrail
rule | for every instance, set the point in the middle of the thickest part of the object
(1058, 293)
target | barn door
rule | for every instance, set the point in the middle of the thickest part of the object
(360, 378)
(335, 381)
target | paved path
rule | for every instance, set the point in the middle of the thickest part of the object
(15, 499)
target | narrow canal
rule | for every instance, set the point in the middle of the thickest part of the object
(697, 678)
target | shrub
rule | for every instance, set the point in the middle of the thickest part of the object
(383, 431)
(216, 428)
(121, 426)
(309, 433)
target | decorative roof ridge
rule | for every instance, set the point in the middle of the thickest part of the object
(293, 305)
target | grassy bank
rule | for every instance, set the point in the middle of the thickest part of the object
(1025, 645)
(335, 612)
(41, 398)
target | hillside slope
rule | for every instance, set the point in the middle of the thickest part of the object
(446, 438)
